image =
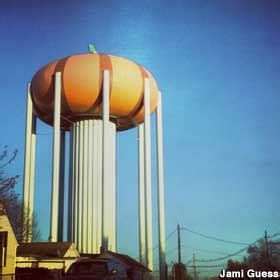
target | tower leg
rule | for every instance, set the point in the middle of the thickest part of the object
(76, 141)
(80, 188)
(105, 174)
(32, 178)
(70, 222)
(56, 150)
(141, 196)
(111, 215)
(161, 215)
(29, 171)
(148, 182)
(61, 186)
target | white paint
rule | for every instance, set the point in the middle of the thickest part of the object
(32, 178)
(90, 217)
(160, 173)
(61, 186)
(106, 191)
(141, 195)
(85, 189)
(70, 222)
(55, 161)
(88, 239)
(148, 181)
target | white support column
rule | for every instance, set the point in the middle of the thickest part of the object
(148, 181)
(141, 195)
(27, 159)
(76, 183)
(112, 184)
(105, 162)
(55, 163)
(61, 186)
(160, 173)
(32, 178)
(70, 221)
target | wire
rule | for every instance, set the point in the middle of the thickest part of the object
(170, 251)
(207, 251)
(206, 271)
(274, 235)
(213, 238)
(236, 253)
(170, 234)
(168, 237)
(229, 255)
(201, 266)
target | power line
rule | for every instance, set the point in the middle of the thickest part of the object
(168, 237)
(207, 251)
(213, 238)
(207, 270)
(227, 256)
(236, 253)
(223, 258)
(171, 234)
(273, 235)
(171, 250)
(202, 266)
(230, 255)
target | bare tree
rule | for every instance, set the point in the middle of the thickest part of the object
(13, 203)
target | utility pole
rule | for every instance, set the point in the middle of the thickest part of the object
(179, 244)
(267, 248)
(194, 268)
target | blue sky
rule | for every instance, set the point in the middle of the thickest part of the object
(217, 64)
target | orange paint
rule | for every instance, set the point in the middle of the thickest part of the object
(82, 89)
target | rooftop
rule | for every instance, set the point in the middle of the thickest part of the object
(43, 249)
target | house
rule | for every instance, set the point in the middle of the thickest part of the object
(50, 255)
(54, 257)
(134, 269)
(8, 244)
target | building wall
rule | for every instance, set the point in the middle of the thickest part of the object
(61, 263)
(12, 244)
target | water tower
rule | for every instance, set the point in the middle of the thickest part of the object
(93, 97)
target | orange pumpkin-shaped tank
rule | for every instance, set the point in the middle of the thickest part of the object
(81, 89)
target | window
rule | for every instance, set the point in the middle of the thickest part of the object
(3, 247)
